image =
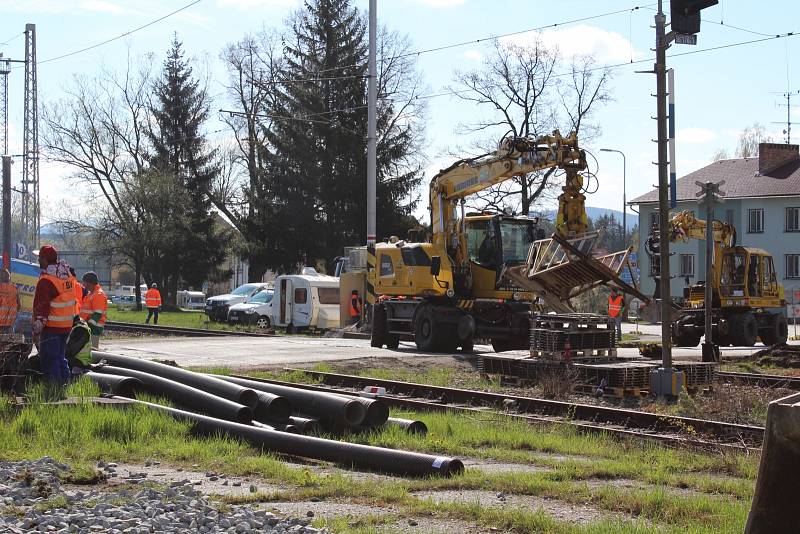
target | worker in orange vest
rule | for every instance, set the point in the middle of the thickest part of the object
(79, 291)
(152, 300)
(355, 307)
(53, 314)
(616, 310)
(93, 309)
(9, 303)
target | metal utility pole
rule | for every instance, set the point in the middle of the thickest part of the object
(372, 124)
(30, 148)
(664, 381)
(710, 194)
(624, 192)
(6, 211)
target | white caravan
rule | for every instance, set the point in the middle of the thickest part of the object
(307, 300)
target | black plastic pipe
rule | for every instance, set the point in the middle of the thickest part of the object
(409, 425)
(212, 385)
(186, 396)
(125, 386)
(352, 454)
(334, 408)
(377, 411)
(272, 408)
(306, 425)
(282, 427)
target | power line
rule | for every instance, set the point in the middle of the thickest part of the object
(722, 23)
(618, 65)
(16, 36)
(120, 36)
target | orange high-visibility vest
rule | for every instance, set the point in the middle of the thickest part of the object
(614, 305)
(78, 295)
(95, 302)
(8, 304)
(152, 298)
(62, 308)
(354, 307)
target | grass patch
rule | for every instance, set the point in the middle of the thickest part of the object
(53, 503)
(183, 319)
(84, 433)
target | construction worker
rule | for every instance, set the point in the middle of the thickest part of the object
(9, 303)
(616, 310)
(355, 307)
(152, 300)
(79, 291)
(53, 314)
(93, 309)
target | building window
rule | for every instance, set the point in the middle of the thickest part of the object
(687, 264)
(729, 217)
(793, 219)
(755, 221)
(793, 266)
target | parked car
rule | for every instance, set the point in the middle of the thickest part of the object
(256, 311)
(217, 307)
(127, 302)
(191, 300)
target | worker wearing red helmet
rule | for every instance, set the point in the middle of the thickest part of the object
(53, 314)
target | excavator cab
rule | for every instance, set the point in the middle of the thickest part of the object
(494, 243)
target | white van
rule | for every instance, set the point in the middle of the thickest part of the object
(307, 300)
(191, 300)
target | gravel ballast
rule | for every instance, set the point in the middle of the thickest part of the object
(32, 500)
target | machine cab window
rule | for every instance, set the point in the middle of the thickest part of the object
(482, 243)
(732, 284)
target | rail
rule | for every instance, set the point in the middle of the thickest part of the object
(684, 431)
(759, 380)
(115, 326)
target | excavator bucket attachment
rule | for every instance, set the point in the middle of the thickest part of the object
(775, 498)
(559, 269)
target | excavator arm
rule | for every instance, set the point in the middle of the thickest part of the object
(515, 157)
(684, 226)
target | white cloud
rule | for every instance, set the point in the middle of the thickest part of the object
(473, 55)
(695, 135)
(442, 3)
(252, 4)
(606, 46)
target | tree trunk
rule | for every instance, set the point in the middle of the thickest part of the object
(526, 201)
(137, 289)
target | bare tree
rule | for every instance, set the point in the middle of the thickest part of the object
(749, 140)
(97, 130)
(524, 94)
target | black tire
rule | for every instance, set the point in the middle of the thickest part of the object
(380, 327)
(426, 330)
(745, 330)
(467, 347)
(392, 341)
(688, 338)
(777, 332)
(262, 321)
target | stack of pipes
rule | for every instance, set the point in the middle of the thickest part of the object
(275, 417)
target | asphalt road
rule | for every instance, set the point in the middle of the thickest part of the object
(288, 350)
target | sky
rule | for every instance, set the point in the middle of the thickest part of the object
(718, 93)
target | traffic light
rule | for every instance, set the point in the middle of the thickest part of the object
(685, 14)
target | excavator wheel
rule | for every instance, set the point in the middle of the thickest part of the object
(467, 347)
(744, 330)
(688, 338)
(776, 332)
(392, 341)
(502, 345)
(426, 330)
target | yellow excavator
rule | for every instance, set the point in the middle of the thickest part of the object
(748, 302)
(446, 292)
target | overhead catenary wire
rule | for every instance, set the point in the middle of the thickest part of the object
(120, 36)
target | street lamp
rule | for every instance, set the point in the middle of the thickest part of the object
(624, 199)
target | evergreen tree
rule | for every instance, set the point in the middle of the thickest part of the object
(319, 147)
(180, 108)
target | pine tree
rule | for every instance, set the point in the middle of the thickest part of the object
(179, 149)
(319, 147)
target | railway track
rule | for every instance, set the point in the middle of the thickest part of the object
(115, 326)
(759, 380)
(676, 431)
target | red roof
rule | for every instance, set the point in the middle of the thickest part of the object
(741, 181)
